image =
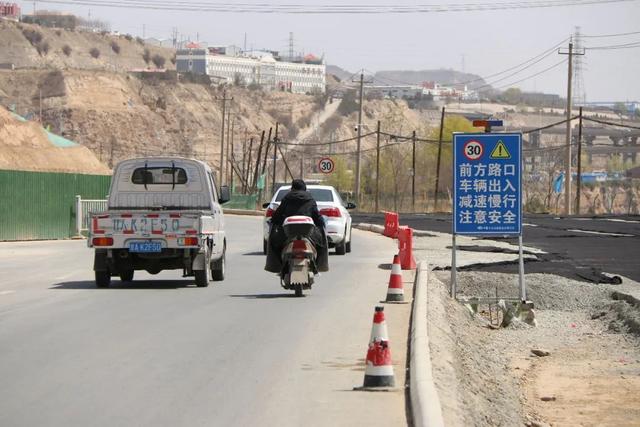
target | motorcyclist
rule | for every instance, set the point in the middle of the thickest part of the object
(298, 201)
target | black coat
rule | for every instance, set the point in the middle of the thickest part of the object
(297, 202)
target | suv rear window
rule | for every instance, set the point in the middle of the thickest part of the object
(318, 194)
(159, 175)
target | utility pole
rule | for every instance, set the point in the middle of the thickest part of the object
(435, 194)
(359, 131)
(579, 182)
(228, 150)
(224, 100)
(413, 173)
(257, 169)
(302, 165)
(275, 158)
(567, 160)
(377, 167)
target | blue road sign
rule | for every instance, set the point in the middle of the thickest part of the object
(487, 196)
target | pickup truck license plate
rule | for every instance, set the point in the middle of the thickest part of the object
(145, 246)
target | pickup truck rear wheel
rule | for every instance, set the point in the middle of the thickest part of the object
(218, 268)
(202, 277)
(103, 278)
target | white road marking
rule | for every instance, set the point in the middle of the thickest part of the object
(7, 292)
(600, 233)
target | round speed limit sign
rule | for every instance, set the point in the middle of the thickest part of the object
(473, 150)
(326, 165)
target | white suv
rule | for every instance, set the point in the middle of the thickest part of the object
(331, 207)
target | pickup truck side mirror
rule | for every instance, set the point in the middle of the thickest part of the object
(265, 205)
(225, 196)
(350, 205)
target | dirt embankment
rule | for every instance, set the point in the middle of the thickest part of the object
(25, 146)
(33, 46)
(120, 115)
(587, 372)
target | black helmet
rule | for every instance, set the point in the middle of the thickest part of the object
(298, 184)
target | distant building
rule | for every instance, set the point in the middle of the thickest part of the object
(228, 64)
(9, 11)
(440, 92)
(158, 42)
(394, 91)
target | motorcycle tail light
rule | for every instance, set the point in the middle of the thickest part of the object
(299, 246)
(269, 213)
(331, 212)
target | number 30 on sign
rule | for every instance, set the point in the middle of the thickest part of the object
(326, 165)
(473, 150)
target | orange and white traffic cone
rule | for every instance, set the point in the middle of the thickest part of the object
(379, 328)
(379, 370)
(395, 292)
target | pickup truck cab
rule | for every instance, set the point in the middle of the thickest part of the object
(163, 213)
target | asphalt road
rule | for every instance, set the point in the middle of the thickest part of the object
(577, 247)
(162, 352)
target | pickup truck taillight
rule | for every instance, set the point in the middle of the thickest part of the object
(188, 241)
(269, 213)
(102, 241)
(331, 212)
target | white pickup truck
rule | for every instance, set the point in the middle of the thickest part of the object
(163, 214)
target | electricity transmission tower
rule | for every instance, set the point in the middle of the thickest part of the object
(579, 92)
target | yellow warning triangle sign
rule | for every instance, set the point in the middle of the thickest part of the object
(500, 151)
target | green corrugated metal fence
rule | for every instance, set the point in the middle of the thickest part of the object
(41, 205)
(242, 201)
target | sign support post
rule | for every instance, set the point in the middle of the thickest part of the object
(453, 266)
(523, 288)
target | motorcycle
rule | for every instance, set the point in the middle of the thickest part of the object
(299, 255)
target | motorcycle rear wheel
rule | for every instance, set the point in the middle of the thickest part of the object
(298, 289)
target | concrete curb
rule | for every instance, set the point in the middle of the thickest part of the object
(245, 212)
(425, 403)
(380, 229)
(369, 227)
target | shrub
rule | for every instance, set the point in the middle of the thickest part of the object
(146, 55)
(43, 48)
(94, 52)
(129, 37)
(115, 47)
(158, 60)
(58, 33)
(34, 36)
(66, 49)
(173, 59)
(140, 40)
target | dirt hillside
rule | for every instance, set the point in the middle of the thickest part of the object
(33, 46)
(25, 146)
(119, 115)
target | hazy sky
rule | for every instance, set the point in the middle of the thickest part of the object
(490, 41)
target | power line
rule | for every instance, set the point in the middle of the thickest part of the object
(329, 8)
(530, 76)
(611, 35)
(630, 45)
(536, 58)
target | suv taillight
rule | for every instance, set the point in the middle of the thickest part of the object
(331, 212)
(269, 213)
